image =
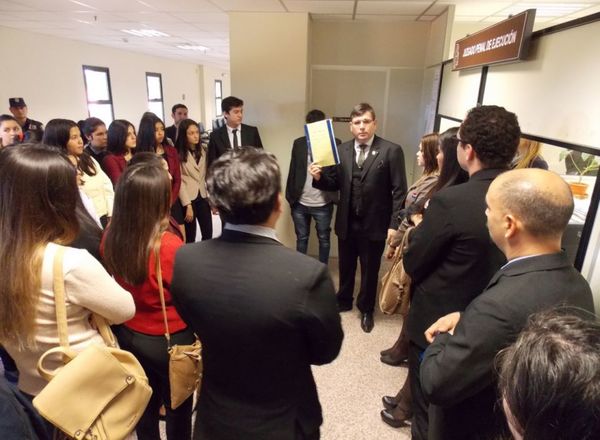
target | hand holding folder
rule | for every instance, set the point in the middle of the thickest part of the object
(322, 147)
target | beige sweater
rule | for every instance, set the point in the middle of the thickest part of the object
(99, 189)
(88, 288)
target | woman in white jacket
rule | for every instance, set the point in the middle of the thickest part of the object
(38, 195)
(65, 134)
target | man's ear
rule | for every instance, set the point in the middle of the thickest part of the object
(511, 226)
(469, 152)
(279, 203)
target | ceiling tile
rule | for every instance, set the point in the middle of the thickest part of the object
(330, 17)
(183, 5)
(251, 6)
(208, 18)
(437, 9)
(392, 7)
(480, 8)
(320, 7)
(428, 17)
(386, 18)
(13, 6)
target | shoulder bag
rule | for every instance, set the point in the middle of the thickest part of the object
(395, 284)
(101, 392)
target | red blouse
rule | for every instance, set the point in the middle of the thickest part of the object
(114, 165)
(148, 317)
(172, 159)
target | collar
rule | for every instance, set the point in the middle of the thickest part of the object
(487, 174)
(263, 231)
(230, 130)
(368, 143)
(532, 263)
(514, 260)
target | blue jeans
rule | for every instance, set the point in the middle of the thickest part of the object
(301, 215)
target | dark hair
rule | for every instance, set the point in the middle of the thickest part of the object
(38, 196)
(450, 174)
(181, 142)
(244, 185)
(361, 109)
(146, 139)
(146, 157)
(176, 106)
(7, 118)
(117, 136)
(57, 133)
(314, 116)
(494, 134)
(550, 377)
(90, 125)
(140, 213)
(231, 102)
(429, 146)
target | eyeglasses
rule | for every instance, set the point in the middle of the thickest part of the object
(462, 141)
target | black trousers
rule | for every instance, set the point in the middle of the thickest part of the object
(350, 250)
(151, 352)
(203, 214)
(420, 406)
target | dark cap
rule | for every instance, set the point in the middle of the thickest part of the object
(16, 102)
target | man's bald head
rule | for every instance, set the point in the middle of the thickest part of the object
(540, 199)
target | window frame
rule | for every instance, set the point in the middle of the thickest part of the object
(162, 96)
(109, 101)
(218, 99)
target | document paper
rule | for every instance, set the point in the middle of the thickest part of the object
(321, 143)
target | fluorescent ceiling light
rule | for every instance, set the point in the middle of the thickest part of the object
(145, 33)
(82, 4)
(192, 47)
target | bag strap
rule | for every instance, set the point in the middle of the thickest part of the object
(162, 295)
(58, 286)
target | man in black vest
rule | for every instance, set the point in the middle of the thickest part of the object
(372, 184)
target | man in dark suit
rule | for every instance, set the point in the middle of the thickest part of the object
(527, 213)
(372, 183)
(306, 202)
(263, 312)
(233, 135)
(179, 112)
(450, 257)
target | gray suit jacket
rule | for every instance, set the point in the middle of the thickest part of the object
(193, 179)
(457, 372)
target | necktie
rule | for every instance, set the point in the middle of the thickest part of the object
(235, 140)
(362, 155)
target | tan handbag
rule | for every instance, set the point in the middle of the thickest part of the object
(101, 392)
(185, 361)
(395, 284)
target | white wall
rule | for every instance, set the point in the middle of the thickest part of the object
(209, 76)
(47, 72)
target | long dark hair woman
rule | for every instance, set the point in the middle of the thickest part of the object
(38, 197)
(398, 408)
(192, 194)
(121, 147)
(137, 233)
(65, 134)
(151, 137)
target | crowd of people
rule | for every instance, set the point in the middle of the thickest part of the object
(484, 256)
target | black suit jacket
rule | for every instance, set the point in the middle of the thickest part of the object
(383, 187)
(218, 142)
(298, 171)
(264, 314)
(451, 257)
(171, 133)
(457, 372)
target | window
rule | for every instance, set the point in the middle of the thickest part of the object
(98, 93)
(155, 94)
(218, 96)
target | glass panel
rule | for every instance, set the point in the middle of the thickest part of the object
(156, 107)
(97, 85)
(101, 111)
(218, 106)
(218, 89)
(580, 170)
(154, 90)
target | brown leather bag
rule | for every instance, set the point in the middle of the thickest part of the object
(185, 361)
(394, 296)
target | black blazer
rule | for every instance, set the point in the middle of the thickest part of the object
(457, 372)
(383, 187)
(218, 142)
(264, 314)
(451, 257)
(298, 171)
(171, 133)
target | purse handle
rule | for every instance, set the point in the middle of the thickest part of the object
(58, 286)
(161, 292)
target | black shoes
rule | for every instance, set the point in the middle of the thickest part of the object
(366, 322)
(393, 359)
(396, 417)
(389, 402)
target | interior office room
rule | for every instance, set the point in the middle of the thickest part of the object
(117, 59)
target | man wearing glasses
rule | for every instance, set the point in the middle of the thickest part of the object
(451, 257)
(372, 184)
